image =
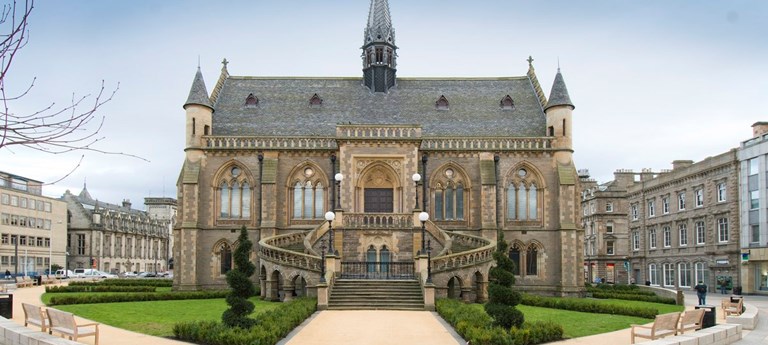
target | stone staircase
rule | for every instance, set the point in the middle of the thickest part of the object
(353, 294)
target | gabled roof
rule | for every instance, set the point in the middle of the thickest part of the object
(284, 108)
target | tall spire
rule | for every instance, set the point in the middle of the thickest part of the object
(379, 50)
(559, 94)
(198, 94)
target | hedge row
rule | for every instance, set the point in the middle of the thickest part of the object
(615, 287)
(632, 297)
(475, 326)
(588, 306)
(136, 297)
(128, 282)
(269, 329)
(99, 288)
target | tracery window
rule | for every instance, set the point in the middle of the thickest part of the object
(522, 196)
(449, 194)
(308, 193)
(223, 253)
(234, 195)
(531, 261)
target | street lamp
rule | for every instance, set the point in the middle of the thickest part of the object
(330, 216)
(322, 261)
(429, 261)
(416, 178)
(423, 217)
(338, 177)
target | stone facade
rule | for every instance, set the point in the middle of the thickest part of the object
(493, 155)
(684, 224)
(753, 160)
(115, 238)
(37, 223)
(606, 236)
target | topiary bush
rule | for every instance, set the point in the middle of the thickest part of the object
(242, 287)
(502, 299)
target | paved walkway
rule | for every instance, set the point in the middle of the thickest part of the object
(399, 327)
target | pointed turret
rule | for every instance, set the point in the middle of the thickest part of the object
(379, 50)
(559, 94)
(559, 111)
(84, 195)
(198, 94)
(199, 116)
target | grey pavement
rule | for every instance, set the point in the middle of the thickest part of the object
(400, 327)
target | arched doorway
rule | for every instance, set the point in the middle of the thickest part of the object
(454, 288)
(379, 189)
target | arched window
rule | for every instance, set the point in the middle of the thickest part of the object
(449, 195)
(234, 195)
(225, 259)
(308, 194)
(384, 259)
(370, 258)
(514, 255)
(522, 196)
(531, 261)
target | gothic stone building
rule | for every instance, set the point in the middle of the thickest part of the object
(492, 154)
(684, 224)
(114, 238)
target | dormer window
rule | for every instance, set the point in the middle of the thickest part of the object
(507, 103)
(442, 103)
(315, 101)
(251, 101)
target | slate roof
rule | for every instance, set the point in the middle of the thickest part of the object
(559, 94)
(379, 27)
(198, 94)
(284, 110)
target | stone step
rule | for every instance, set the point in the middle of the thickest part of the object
(359, 294)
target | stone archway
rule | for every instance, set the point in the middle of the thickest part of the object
(379, 189)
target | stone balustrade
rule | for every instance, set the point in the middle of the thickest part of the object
(378, 131)
(270, 251)
(468, 240)
(464, 259)
(284, 143)
(498, 144)
(377, 220)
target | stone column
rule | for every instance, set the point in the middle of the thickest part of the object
(262, 286)
(288, 289)
(466, 294)
(482, 292)
(429, 297)
(322, 296)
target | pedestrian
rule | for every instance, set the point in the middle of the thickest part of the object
(701, 292)
(7, 274)
(723, 286)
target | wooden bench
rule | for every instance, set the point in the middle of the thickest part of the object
(732, 306)
(35, 315)
(20, 282)
(691, 320)
(663, 325)
(64, 323)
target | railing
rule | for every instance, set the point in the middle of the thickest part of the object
(377, 270)
(270, 251)
(473, 242)
(436, 144)
(378, 131)
(231, 142)
(467, 258)
(378, 220)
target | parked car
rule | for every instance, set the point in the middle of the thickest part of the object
(147, 275)
(129, 274)
(98, 274)
(61, 274)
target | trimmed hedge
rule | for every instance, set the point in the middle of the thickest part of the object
(269, 329)
(128, 282)
(588, 306)
(98, 288)
(136, 297)
(477, 328)
(634, 297)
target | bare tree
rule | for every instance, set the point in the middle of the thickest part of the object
(51, 129)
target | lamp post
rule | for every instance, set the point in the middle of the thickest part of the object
(416, 178)
(322, 261)
(66, 269)
(330, 216)
(338, 177)
(423, 217)
(429, 261)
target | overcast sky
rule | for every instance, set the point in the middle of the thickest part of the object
(652, 81)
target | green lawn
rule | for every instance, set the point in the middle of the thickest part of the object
(157, 317)
(579, 324)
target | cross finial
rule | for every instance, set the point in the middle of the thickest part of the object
(224, 62)
(530, 60)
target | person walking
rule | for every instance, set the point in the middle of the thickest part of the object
(723, 287)
(701, 292)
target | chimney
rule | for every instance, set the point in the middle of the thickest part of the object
(646, 174)
(759, 128)
(680, 164)
(624, 177)
(127, 203)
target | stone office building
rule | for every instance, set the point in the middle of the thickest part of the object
(275, 154)
(115, 238)
(606, 237)
(684, 224)
(33, 227)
